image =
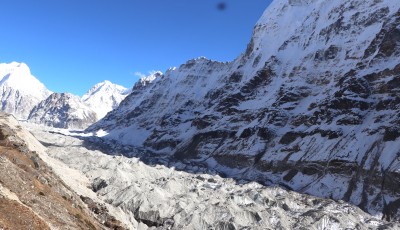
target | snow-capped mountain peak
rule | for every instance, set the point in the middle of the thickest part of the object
(18, 76)
(20, 90)
(104, 86)
(105, 96)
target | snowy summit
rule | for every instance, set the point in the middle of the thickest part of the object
(20, 90)
(104, 97)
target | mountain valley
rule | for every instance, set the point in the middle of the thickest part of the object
(300, 131)
(153, 196)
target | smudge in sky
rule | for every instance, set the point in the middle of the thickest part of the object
(221, 6)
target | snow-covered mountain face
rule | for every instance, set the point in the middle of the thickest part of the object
(104, 97)
(312, 104)
(20, 91)
(63, 110)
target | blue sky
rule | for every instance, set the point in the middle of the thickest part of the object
(70, 45)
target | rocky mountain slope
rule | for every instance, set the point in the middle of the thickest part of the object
(19, 90)
(63, 110)
(153, 196)
(32, 196)
(312, 105)
(104, 97)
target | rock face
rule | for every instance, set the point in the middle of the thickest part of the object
(63, 110)
(104, 97)
(19, 90)
(312, 104)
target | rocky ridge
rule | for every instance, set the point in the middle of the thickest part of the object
(63, 110)
(311, 105)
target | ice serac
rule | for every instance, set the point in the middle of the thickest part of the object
(63, 110)
(312, 104)
(20, 91)
(104, 97)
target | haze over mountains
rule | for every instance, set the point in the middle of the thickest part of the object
(311, 105)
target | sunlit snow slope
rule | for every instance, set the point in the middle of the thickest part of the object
(104, 97)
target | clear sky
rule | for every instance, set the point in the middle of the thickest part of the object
(70, 45)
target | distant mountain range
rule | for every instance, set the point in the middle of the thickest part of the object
(27, 98)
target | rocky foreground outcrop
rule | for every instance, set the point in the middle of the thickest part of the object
(32, 196)
(312, 105)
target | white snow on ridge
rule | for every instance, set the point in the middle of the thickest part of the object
(63, 110)
(18, 76)
(149, 79)
(20, 90)
(104, 97)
